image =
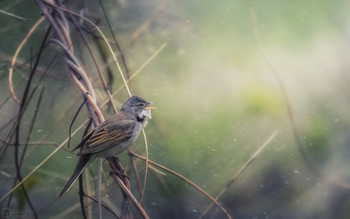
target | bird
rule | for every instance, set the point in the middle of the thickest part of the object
(113, 136)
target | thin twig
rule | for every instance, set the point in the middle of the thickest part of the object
(42, 163)
(115, 39)
(32, 124)
(18, 126)
(146, 166)
(81, 195)
(19, 48)
(72, 122)
(13, 15)
(99, 183)
(184, 179)
(145, 25)
(238, 173)
(138, 181)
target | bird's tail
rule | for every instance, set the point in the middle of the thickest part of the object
(83, 162)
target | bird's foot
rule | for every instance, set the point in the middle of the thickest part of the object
(121, 174)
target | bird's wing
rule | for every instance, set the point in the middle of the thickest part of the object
(81, 144)
(108, 136)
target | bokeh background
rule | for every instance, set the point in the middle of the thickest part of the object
(218, 100)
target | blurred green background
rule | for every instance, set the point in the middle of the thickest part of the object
(217, 101)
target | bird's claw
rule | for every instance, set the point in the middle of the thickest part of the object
(120, 174)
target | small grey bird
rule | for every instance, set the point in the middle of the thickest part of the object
(112, 136)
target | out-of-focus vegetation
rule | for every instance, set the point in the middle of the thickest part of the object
(217, 101)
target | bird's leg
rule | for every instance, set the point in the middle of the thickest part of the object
(120, 174)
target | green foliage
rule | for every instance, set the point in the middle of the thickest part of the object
(317, 138)
(262, 100)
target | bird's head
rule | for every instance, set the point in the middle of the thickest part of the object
(139, 106)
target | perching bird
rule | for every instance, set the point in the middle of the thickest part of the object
(112, 136)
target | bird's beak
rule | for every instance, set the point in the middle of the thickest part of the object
(150, 108)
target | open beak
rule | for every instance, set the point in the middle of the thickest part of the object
(147, 112)
(150, 108)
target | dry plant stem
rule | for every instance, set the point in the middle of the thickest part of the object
(117, 169)
(79, 75)
(122, 75)
(168, 194)
(303, 153)
(137, 71)
(59, 147)
(126, 190)
(42, 162)
(92, 199)
(78, 129)
(81, 195)
(145, 25)
(99, 183)
(90, 93)
(12, 15)
(19, 48)
(25, 101)
(42, 91)
(89, 192)
(184, 179)
(104, 38)
(26, 98)
(32, 125)
(103, 56)
(108, 92)
(81, 80)
(63, 40)
(138, 181)
(115, 39)
(146, 167)
(238, 173)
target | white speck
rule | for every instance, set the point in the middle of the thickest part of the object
(39, 130)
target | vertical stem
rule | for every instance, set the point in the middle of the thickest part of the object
(99, 182)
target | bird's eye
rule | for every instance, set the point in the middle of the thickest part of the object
(141, 105)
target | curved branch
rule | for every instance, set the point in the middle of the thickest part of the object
(132, 153)
(13, 61)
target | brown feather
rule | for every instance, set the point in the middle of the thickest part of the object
(108, 135)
